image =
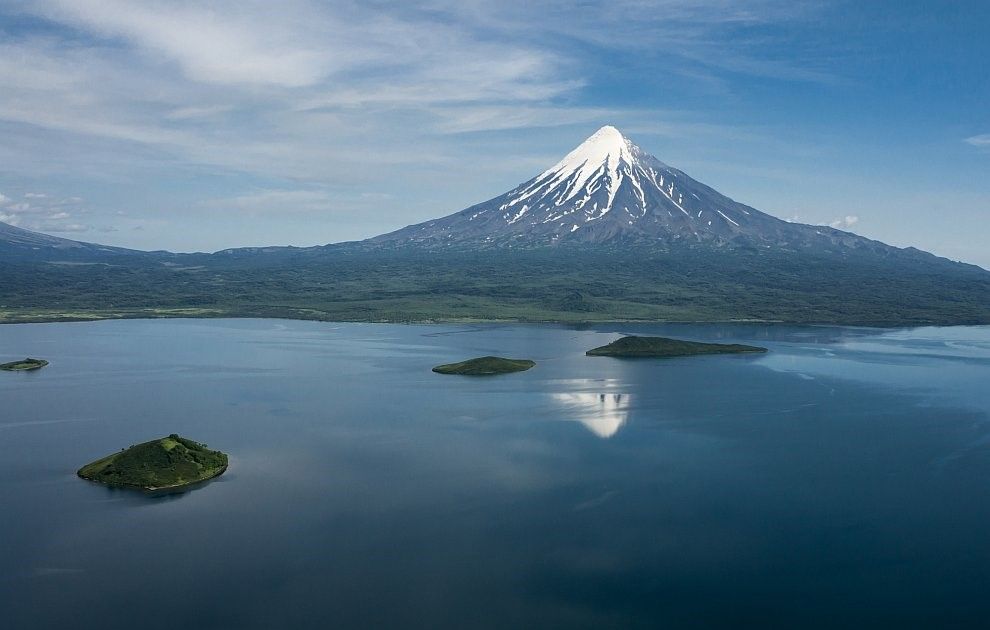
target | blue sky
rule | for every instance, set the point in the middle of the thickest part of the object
(206, 125)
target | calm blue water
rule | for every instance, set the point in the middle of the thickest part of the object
(842, 479)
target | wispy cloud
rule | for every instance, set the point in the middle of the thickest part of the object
(982, 140)
(295, 90)
(190, 113)
(43, 213)
(227, 45)
(264, 87)
(277, 201)
(844, 223)
(714, 36)
(501, 117)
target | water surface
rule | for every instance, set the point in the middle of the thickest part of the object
(840, 479)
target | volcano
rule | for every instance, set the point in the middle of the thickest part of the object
(608, 191)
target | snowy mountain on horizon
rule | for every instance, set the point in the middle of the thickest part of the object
(606, 194)
(610, 191)
(608, 233)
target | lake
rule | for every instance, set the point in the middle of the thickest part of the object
(841, 479)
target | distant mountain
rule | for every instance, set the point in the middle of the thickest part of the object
(605, 194)
(20, 244)
(610, 192)
(608, 233)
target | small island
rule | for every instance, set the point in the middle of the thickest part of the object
(169, 462)
(485, 366)
(24, 366)
(633, 346)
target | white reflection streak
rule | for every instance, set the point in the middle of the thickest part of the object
(602, 414)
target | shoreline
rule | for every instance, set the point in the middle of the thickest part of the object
(11, 318)
(184, 484)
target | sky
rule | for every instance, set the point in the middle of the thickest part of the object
(198, 126)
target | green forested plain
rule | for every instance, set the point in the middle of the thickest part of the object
(527, 285)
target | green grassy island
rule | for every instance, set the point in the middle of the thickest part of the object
(485, 366)
(632, 346)
(169, 462)
(24, 366)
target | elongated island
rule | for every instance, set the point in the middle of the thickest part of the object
(662, 347)
(165, 463)
(485, 366)
(24, 366)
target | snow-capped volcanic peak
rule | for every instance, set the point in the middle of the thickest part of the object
(606, 190)
(590, 178)
(606, 147)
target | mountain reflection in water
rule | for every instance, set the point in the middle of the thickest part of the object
(602, 414)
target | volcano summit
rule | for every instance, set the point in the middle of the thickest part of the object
(609, 191)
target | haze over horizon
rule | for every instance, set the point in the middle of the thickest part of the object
(174, 126)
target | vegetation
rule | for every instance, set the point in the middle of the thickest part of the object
(24, 366)
(169, 462)
(633, 346)
(485, 366)
(562, 284)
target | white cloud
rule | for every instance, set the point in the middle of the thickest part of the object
(57, 227)
(843, 223)
(302, 44)
(380, 92)
(189, 113)
(277, 201)
(241, 43)
(683, 33)
(3, 199)
(982, 140)
(323, 92)
(501, 117)
(46, 213)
